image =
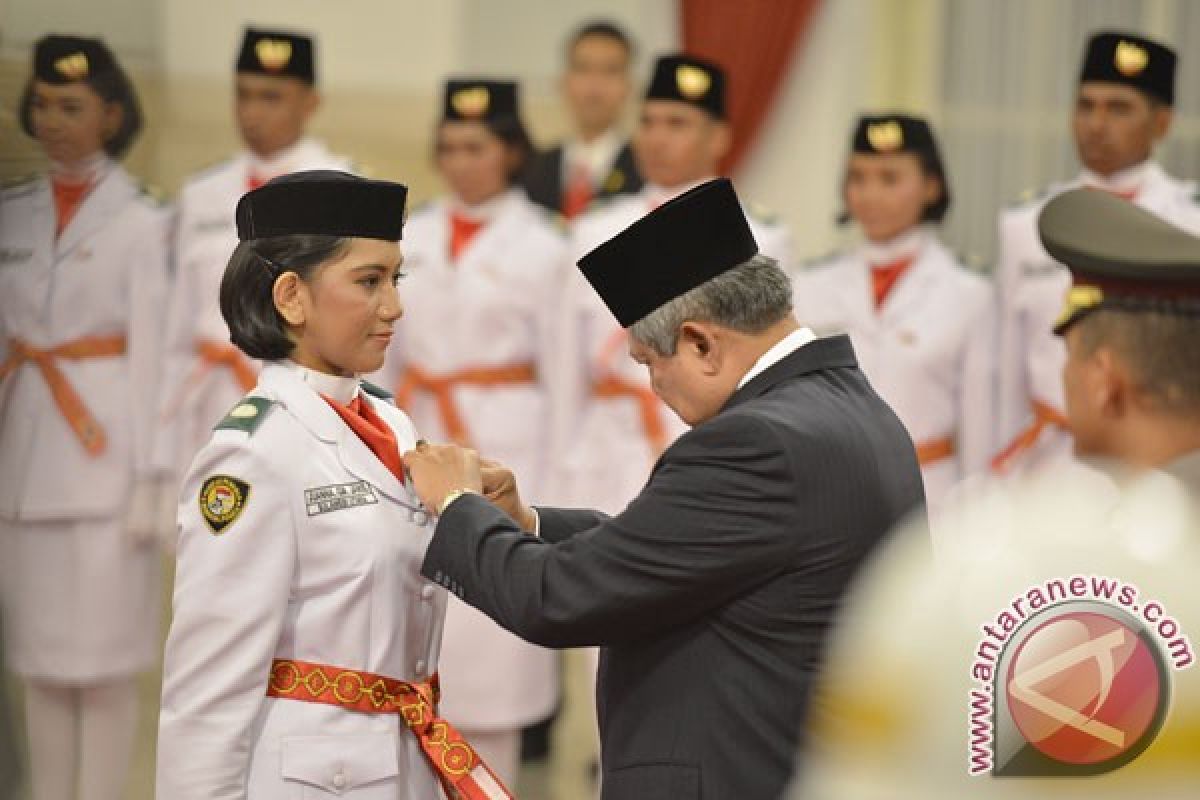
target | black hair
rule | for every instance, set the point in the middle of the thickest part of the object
(604, 28)
(931, 167)
(247, 302)
(511, 131)
(113, 86)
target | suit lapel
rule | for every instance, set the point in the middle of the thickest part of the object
(623, 177)
(830, 352)
(114, 189)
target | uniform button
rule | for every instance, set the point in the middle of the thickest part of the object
(339, 780)
(420, 667)
(427, 592)
(420, 518)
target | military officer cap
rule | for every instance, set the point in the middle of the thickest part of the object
(479, 99)
(64, 59)
(282, 53)
(323, 203)
(1136, 61)
(670, 251)
(1121, 257)
(690, 80)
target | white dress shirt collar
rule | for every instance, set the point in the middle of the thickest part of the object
(778, 352)
(597, 156)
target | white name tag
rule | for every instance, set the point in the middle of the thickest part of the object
(338, 497)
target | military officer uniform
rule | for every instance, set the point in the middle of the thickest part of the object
(1031, 285)
(205, 373)
(922, 324)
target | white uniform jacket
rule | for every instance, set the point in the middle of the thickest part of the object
(492, 308)
(296, 576)
(105, 276)
(929, 351)
(606, 453)
(1032, 288)
(197, 397)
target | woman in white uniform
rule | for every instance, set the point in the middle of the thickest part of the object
(922, 324)
(471, 363)
(302, 656)
(82, 282)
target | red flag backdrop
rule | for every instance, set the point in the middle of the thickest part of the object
(754, 40)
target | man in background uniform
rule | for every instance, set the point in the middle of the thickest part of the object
(1123, 108)
(617, 426)
(276, 96)
(596, 161)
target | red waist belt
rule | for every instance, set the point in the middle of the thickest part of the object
(459, 768)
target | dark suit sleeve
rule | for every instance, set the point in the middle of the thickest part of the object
(560, 524)
(717, 518)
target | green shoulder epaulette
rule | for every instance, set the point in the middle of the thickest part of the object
(377, 391)
(762, 214)
(247, 415)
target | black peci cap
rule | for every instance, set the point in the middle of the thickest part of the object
(479, 99)
(61, 59)
(694, 81)
(670, 251)
(323, 203)
(281, 53)
(1133, 60)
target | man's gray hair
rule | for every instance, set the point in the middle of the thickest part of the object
(749, 298)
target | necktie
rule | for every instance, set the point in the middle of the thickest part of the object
(884, 278)
(462, 230)
(254, 180)
(579, 191)
(68, 197)
(373, 432)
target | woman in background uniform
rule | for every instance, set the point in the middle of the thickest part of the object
(471, 364)
(302, 655)
(83, 278)
(922, 324)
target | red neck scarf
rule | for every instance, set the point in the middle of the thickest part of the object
(372, 430)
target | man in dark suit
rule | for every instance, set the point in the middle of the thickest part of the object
(597, 160)
(712, 593)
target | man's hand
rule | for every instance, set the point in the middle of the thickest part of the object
(439, 469)
(500, 487)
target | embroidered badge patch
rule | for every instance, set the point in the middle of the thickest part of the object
(338, 496)
(222, 499)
